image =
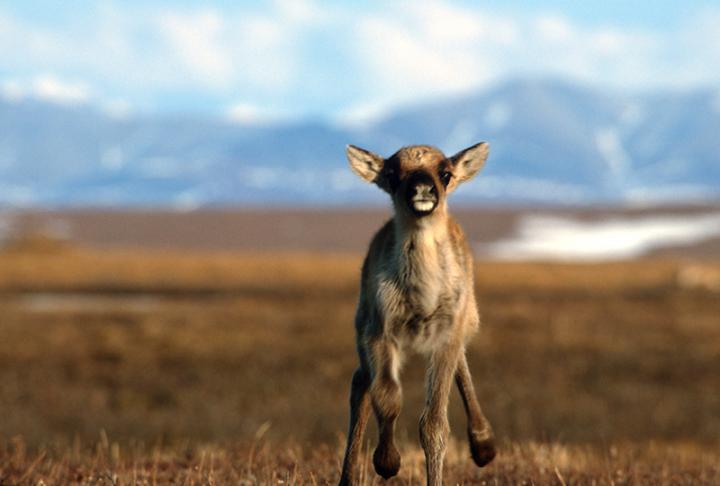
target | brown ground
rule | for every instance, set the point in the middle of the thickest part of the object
(123, 366)
(265, 463)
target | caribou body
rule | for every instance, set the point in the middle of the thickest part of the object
(416, 295)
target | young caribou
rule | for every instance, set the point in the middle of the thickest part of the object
(416, 294)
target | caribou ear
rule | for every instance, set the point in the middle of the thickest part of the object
(364, 163)
(468, 162)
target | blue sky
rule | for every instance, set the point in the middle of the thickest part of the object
(344, 61)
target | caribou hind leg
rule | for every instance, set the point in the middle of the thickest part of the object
(480, 433)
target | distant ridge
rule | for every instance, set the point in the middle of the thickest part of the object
(552, 142)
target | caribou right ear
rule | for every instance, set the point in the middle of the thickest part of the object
(365, 163)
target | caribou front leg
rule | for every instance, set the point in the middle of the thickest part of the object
(434, 426)
(386, 396)
(480, 434)
(359, 412)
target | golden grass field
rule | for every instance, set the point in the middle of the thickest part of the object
(167, 367)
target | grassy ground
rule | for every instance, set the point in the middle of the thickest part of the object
(264, 463)
(121, 367)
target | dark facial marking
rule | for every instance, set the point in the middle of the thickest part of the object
(444, 173)
(445, 178)
(391, 172)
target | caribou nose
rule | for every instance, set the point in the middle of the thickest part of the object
(425, 191)
(422, 196)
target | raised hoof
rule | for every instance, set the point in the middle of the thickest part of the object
(482, 447)
(386, 461)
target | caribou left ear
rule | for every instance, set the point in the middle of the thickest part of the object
(365, 163)
(468, 162)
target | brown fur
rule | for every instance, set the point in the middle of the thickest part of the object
(416, 295)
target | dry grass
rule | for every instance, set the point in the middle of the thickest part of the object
(109, 463)
(603, 372)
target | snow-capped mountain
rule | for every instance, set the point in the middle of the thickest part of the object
(550, 141)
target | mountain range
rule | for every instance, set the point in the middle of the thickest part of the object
(551, 142)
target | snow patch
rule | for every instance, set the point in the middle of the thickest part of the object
(544, 237)
(609, 144)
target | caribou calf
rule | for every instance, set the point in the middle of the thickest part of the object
(417, 295)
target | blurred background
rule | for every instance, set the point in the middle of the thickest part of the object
(181, 237)
(179, 107)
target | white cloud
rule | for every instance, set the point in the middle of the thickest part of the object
(437, 47)
(141, 52)
(51, 88)
(445, 23)
(47, 88)
(553, 28)
(404, 62)
(227, 51)
(361, 115)
(303, 12)
(313, 58)
(428, 48)
(117, 108)
(251, 114)
(197, 39)
(264, 51)
(13, 90)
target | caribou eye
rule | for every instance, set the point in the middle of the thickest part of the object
(445, 177)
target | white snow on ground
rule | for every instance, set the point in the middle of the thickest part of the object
(542, 237)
